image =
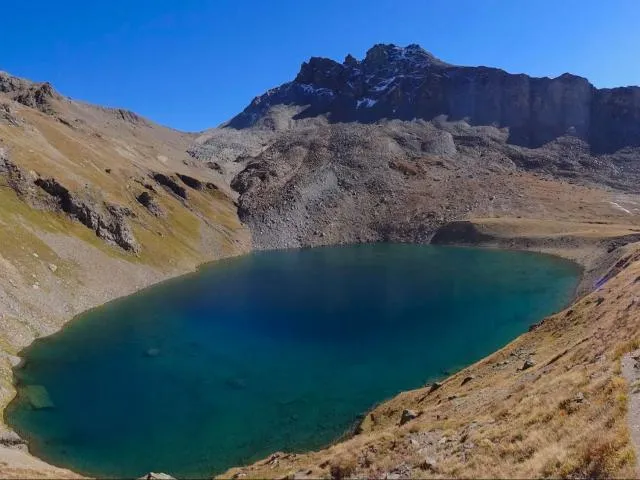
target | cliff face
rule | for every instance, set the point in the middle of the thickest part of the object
(407, 83)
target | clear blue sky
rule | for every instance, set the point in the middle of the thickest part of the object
(192, 64)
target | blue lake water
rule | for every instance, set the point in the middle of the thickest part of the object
(271, 351)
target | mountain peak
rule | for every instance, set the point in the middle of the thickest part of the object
(406, 83)
(386, 53)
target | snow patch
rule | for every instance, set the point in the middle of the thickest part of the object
(366, 103)
(383, 85)
(312, 89)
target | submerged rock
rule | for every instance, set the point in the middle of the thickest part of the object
(236, 383)
(38, 397)
(152, 352)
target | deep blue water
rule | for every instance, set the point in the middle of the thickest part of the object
(271, 351)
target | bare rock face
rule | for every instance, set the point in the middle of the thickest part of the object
(30, 94)
(7, 115)
(615, 118)
(146, 200)
(108, 221)
(407, 83)
(170, 184)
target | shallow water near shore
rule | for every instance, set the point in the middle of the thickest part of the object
(271, 351)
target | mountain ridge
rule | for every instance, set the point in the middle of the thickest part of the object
(410, 83)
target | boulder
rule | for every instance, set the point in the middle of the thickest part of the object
(9, 438)
(467, 379)
(190, 181)
(528, 363)
(435, 386)
(407, 415)
(429, 463)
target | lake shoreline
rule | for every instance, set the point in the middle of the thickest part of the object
(481, 395)
(593, 259)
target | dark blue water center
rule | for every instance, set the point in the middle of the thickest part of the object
(271, 351)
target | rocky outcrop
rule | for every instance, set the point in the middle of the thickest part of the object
(156, 476)
(30, 94)
(459, 233)
(8, 116)
(407, 83)
(146, 200)
(108, 221)
(10, 439)
(19, 180)
(191, 182)
(170, 184)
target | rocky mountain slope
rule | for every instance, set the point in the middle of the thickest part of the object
(400, 143)
(95, 203)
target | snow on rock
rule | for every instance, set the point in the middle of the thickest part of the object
(366, 102)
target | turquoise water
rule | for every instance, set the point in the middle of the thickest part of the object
(272, 351)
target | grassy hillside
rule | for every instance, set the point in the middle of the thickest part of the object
(52, 263)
